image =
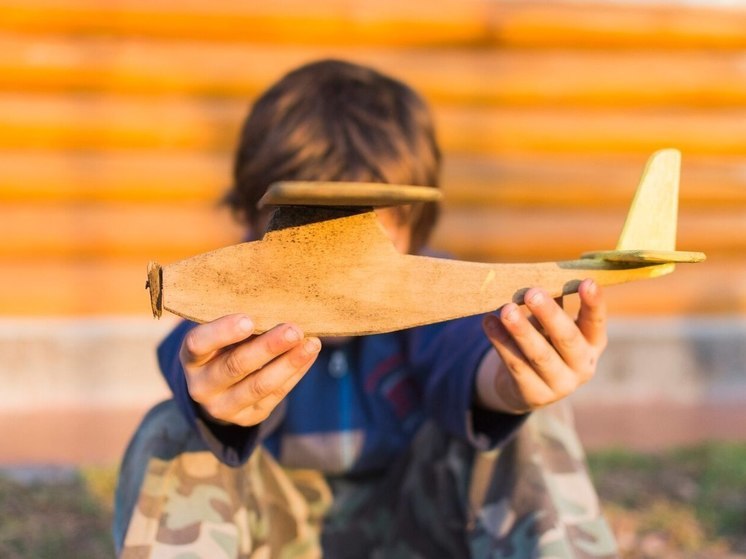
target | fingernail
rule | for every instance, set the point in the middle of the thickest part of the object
(245, 325)
(312, 345)
(591, 287)
(292, 335)
(510, 313)
(536, 299)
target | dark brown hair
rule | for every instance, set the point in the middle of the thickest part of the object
(337, 121)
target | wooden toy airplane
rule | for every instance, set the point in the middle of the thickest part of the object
(327, 265)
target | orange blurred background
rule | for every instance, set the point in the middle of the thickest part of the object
(117, 121)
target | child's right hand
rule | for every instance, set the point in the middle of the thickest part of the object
(239, 378)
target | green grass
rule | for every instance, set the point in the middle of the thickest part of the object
(687, 503)
(64, 518)
(690, 500)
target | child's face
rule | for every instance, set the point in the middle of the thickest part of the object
(397, 229)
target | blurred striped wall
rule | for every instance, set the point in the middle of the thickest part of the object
(117, 121)
(118, 118)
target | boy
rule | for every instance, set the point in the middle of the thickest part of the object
(417, 443)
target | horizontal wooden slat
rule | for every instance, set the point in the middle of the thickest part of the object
(555, 181)
(96, 287)
(114, 176)
(63, 286)
(163, 231)
(509, 22)
(158, 232)
(288, 21)
(593, 131)
(712, 287)
(585, 181)
(103, 121)
(535, 234)
(580, 77)
(580, 23)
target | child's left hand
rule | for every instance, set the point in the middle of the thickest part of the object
(541, 360)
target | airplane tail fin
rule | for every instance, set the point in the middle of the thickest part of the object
(651, 221)
(649, 232)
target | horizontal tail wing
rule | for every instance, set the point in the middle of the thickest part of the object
(646, 256)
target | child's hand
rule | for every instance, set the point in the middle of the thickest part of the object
(240, 379)
(544, 359)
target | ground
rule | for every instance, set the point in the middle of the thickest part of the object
(685, 503)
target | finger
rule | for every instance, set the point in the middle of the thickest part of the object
(528, 382)
(541, 353)
(267, 404)
(311, 347)
(252, 399)
(535, 321)
(205, 340)
(243, 359)
(566, 337)
(592, 314)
